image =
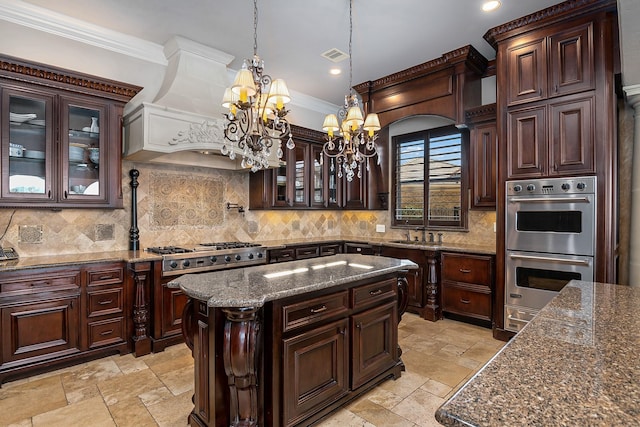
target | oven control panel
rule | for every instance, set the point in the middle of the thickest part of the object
(550, 186)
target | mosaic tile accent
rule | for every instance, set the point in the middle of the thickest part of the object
(185, 201)
(104, 232)
(31, 234)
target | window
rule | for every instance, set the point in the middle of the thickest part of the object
(438, 201)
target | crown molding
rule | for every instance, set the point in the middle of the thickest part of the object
(21, 13)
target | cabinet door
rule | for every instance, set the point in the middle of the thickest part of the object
(27, 146)
(168, 317)
(415, 278)
(484, 141)
(84, 145)
(355, 191)
(281, 197)
(572, 137)
(375, 334)
(526, 72)
(299, 174)
(315, 370)
(43, 330)
(571, 65)
(318, 186)
(526, 142)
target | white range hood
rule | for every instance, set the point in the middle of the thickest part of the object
(190, 96)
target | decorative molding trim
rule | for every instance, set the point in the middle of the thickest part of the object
(552, 14)
(632, 94)
(467, 54)
(306, 133)
(17, 69)
(44, 20)
(482, 113)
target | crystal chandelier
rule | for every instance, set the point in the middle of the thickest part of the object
(355, 143)
(256, 119)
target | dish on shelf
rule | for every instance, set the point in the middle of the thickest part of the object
(33, 154)
(15, 150)
(93, 189)
(26, 184)
(21, 118)
(37, 122)
(76, 154)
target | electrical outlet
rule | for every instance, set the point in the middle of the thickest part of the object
(380, 228)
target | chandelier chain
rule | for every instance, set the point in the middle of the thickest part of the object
(350, 45)
(255, 27)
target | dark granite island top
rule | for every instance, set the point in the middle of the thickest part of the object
(575, 364)
(253, 286)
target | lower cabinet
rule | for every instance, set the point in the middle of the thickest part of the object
(467, 284)
(54, 316)
(311, 250)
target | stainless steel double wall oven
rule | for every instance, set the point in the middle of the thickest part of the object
(550, 240)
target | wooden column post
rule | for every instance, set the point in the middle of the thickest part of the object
(141, 340)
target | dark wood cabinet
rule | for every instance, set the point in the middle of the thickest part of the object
(60, 136)
(50, 317)
(304, 251)
(416, 286)
(307, 179)
(527, 142)
(483, 156)
(467, 284)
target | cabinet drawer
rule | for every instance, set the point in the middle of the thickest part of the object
(366, 295)
(466, 302)
(280, 255)
(467, 268)
(29, 283)
(326, 250)
(105, 276)
(307, 252)
(106, 332)
(314, 310)
(105, 301)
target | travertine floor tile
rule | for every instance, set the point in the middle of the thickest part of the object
(405, 385)
(345, 418)
(377, 415)
(436, 388)
(116, 389)
(443, 370)
(91, 412)
(420, 408)
(131, 412)
(172, 412)
(28, 399)
(90, 373)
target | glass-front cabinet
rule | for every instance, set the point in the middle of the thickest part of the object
(60, 137)
(47, 160)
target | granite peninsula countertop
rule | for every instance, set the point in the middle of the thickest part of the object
(575, 364)
(253, 286)
(43, 261)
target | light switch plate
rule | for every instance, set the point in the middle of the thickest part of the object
(380, 228)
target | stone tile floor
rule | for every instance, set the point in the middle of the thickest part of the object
(156, 390)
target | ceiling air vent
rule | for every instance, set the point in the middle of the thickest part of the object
(335, 55)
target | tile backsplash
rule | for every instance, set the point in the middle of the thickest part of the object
(180, 205)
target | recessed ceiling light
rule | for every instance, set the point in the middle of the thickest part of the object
(490, 5)
(335, 71)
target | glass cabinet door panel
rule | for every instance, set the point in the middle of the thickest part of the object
(280, 177)
(26, 145)
(317, 177)
(84, 150)
(300, 175)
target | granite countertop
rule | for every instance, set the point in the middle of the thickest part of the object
(576, 363)
(43, 261)
(253, 286)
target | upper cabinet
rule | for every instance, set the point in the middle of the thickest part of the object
(549, 66)
(307, 179)
(483, 157)
(61, 138)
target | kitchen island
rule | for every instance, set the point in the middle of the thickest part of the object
(575, 363)
(286, 344)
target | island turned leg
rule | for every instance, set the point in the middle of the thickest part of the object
(432, 310)
(241, 351)
(140, 272)
(403, 302)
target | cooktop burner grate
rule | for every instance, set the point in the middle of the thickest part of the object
(166, 250)
(228, 245)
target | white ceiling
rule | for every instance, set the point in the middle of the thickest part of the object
(292, 34)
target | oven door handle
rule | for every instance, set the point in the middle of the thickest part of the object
(551, 259)
(551, 200)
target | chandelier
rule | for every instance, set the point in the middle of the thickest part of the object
(355, 142)
(255, 122)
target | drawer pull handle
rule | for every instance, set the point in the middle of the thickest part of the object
(105, 277)
(465, 271)
(376, 292)
(319, 310)
(105, 301)
(109, 332)
(464, 301)
(43, 283)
